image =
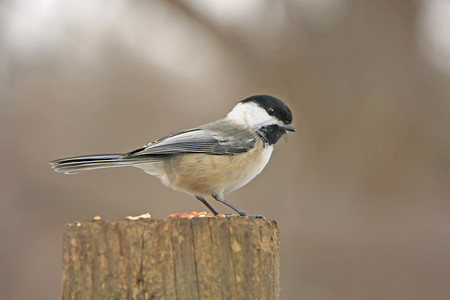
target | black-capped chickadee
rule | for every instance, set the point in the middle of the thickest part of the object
(213, 159)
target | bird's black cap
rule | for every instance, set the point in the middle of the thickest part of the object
(274, 107)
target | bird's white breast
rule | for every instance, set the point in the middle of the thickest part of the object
(256, 166)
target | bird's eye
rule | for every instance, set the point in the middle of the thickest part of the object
(270, 110)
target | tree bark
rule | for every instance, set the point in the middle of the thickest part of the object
(198, 258)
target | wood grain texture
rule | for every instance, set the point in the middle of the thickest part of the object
(199, 258)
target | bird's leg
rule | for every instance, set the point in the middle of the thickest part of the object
(202, 200)
(241, 212)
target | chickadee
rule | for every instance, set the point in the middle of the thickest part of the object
(213, 159)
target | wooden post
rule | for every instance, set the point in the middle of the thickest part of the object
(198, 258)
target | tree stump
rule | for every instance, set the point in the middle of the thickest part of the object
(198, 258)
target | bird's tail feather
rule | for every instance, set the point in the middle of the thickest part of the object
(78, 164)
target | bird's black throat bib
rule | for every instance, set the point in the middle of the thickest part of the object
(271, 134)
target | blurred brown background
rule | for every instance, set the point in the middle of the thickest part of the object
(361, 191)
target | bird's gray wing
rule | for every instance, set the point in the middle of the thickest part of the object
(198, 140)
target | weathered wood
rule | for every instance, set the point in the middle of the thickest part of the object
(199, 258)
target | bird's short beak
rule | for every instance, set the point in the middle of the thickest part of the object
(288, 127)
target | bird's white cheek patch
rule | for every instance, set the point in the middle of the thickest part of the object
(251, 115)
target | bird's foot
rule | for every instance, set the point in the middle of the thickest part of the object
(245, 214)
(256, 216)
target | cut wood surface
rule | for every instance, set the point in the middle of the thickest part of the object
(198, 258)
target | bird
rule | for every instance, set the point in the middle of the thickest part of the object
(209, 160)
